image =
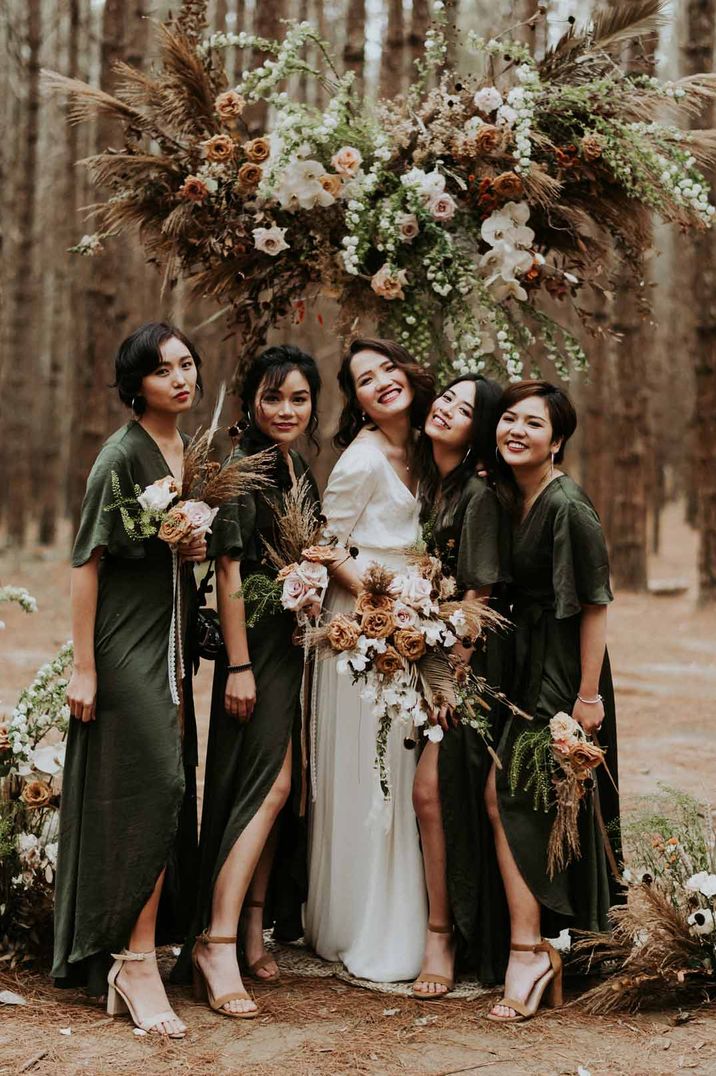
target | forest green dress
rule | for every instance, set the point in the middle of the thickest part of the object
(128, 793)
(471, 540)
(244, 758)
(559, 563)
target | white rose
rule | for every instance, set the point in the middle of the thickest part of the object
(488, 99)
(200, 516)
(404, 616)
(159, 495)
(563, 727)
(270, 240)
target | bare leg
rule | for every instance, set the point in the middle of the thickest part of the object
(439, 954)
(252, 916)
(140, 979)
(218, 962)
(523, 969)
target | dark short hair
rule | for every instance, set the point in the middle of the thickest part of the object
(271, 367)
(139, 355)
(421, 381)
(480, 452)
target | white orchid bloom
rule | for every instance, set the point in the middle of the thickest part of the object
(702, 921)
(508, 289)
(49, 758)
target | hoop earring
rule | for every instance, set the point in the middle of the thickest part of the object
(551, 465)
(467, 455)
(498, 457)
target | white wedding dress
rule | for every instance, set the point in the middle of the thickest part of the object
(366, 893)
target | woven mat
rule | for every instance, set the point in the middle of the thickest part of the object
(298, 959)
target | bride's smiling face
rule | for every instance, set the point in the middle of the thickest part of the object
(382, 388)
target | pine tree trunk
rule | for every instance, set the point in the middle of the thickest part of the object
(18, 388)
(698, 53)
(354, 47)
(597, 440)
(267, 23)
(392, 56)
(419, 23)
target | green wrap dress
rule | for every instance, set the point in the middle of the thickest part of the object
(244, 758)
(472, 540)
(128, 804)
(559, 563)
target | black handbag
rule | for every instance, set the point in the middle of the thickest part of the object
(209, 640)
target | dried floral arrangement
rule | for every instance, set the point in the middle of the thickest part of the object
(446, 214)
(663, 940)
(396, 643)
(32, 752)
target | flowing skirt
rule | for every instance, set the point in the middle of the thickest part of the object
(367, 905)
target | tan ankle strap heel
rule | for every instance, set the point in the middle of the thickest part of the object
(215, 939)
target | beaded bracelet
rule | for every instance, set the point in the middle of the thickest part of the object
(590, 702)
(238, 668)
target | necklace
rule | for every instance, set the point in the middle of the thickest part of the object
(544, 481)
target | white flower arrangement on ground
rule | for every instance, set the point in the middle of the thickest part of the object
(389, 208)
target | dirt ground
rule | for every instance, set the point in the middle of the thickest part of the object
(664, 657)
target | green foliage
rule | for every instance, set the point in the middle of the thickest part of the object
(262, 597)
(532, 762)
(139, 523)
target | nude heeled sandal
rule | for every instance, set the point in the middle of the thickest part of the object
(548, 986)
(118, 1002)
(430, 977)
(202, 990)
(263, 961)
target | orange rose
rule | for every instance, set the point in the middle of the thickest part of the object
(258, 150)
(331, 183)
(378, 624)
(508, 186)
(586, 756)
(389, 662)
(319, 554)
(219, 147)
(286, 570)
(343, 633)
(488, 139)
(176, 527)
(193, 189)
(368, 602)
(229, 105)
(410, 643)
(36, 794)
(250, 175)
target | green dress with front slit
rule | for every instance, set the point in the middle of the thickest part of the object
(559, 563)
(471, 537)
(128, 805)
(244, 758)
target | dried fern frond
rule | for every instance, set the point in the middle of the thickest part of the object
(252, 474)
(479, 616)
(188, 92)
(437, 679)
(297, 525)
(89, 101)
(580, 54)
(118, 169)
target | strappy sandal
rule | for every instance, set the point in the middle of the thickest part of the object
(433, 977)
(548, 986)
(202, 990)
(263, 961)
(118, 1002)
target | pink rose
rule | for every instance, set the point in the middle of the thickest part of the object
(313, 575)
(347, 161)
(199, 516)
(413, 591)
(408, 226)
(442, 207)
(296, 594)
(404, 616)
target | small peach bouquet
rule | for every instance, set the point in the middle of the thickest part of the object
(559, 761)
(396, 642)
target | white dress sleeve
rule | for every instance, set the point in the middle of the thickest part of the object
(350, 487)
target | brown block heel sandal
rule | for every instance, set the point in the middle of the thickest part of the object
(433, 977)
(118, 1002)
(202, 990)
(547, 987)
(263, 961)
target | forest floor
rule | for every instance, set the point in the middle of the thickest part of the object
(664, 657)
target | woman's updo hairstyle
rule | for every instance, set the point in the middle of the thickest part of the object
(269, 370)
(139, 355)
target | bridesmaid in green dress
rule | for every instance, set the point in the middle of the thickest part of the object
(124, 801)
(465, 526)
(253, 762)
(560, 592)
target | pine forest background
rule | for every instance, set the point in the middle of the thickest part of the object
(647, 408)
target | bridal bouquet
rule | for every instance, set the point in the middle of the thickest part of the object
(560, 773)
(396, 642)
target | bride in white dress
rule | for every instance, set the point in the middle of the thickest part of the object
(366, 894)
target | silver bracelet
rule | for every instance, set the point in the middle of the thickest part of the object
(590, 702)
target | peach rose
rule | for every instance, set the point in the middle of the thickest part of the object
(250, 175)
(229, 105)
(319, 554)
(367, 602)
(586, 756)
(193, 189)
(286, 571)
(219, 147)
(442, 207)
(389, 283)
(343, 633)
(175, 527)
(258, 150)
(408, 226)
(389, 662)
(377, 625)
(508, 186)
(347, 160)
(331, 183)
(410, 643)
(36, 794)
(487, 138)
